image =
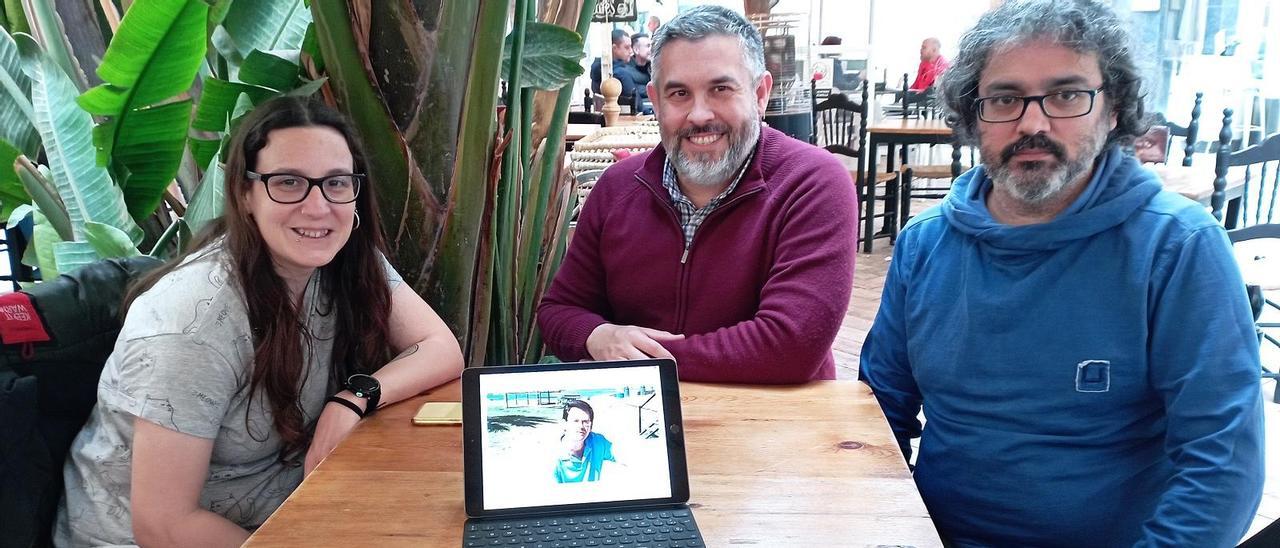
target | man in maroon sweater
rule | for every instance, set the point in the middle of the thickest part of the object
(730, 247)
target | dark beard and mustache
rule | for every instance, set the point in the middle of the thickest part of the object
(1035, 183)
(705, 169)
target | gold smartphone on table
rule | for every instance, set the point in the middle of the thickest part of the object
(439, 412)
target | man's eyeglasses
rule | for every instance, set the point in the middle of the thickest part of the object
(1072, 103)
(291, 188)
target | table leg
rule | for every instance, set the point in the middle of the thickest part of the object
(892, 195)
(902, 204)
(869, 205)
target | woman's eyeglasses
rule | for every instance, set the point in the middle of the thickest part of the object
(291, 188)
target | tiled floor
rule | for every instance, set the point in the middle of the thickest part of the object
(869, 280)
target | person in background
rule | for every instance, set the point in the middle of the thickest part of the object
(621, 58)
(653, 25)
(1078, 337)
(932, 64)
(212, 407)
(729, 247)
(640, 64)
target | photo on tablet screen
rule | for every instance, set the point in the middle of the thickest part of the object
(572, 437)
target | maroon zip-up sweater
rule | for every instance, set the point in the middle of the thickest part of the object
(759, 294)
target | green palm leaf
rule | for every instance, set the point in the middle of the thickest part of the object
(276, 70)
(16, 16)
(218, 99)
(68, 256)
(67, 132)
(267, 25)
(15, 101)
(12, 194)
(550, 57)
(152, 58)
(108, 241)
(206, 204)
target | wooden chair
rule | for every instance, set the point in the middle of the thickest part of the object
(840, 127)
(1258, 195)
(1260, 267)
(947, 173)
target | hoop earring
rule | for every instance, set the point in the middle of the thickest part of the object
(357, 220)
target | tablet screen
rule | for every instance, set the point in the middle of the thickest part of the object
(573, 436)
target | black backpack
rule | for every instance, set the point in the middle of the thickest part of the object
(47, 389)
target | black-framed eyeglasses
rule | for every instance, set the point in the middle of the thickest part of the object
(1071, 103)
(291, 188)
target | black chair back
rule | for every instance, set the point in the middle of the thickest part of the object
(839, 123)
(47, 389)
(1261, 179)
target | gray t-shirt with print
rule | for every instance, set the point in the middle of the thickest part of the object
(182, 361)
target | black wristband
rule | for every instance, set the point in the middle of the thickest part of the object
(353, 407)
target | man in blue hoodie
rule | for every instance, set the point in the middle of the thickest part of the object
(1079, 338)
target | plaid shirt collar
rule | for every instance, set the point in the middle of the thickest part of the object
(690, 216)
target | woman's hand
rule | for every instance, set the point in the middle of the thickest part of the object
(333, 426)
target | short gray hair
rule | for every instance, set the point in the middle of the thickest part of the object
(703, 21)
(1084, 26)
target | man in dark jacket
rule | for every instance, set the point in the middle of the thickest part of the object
(730, 247)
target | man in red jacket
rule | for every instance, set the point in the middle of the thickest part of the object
(932, 64)
(730, 247)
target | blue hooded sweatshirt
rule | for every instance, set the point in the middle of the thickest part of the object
(1089, 381)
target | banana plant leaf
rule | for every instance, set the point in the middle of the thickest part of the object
(40, 252)
(218, 99)
(206, 203)
(45, 196)
(69, 256)
(19, 214)
(85, 33)
(15, 17)
(153, 57)
(267, 25)
(48, 33)
(108, 241)
(550, 58)
(15, 100)
(271, 70)
(67, 133)
(12, 195)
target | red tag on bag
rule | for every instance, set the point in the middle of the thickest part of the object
(19, 322)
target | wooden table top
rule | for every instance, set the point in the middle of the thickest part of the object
(811, 465)
(1196, 181)
(912, 126)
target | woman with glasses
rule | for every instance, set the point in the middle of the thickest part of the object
(244, 363)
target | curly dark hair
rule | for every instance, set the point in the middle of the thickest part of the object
(1085, 26)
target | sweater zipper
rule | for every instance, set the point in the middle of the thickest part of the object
(683, 275)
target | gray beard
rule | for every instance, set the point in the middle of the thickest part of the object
(703, 170)
(1037, 183)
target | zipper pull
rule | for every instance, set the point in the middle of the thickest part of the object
(685, 256)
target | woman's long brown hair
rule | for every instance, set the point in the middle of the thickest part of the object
(354, 281)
